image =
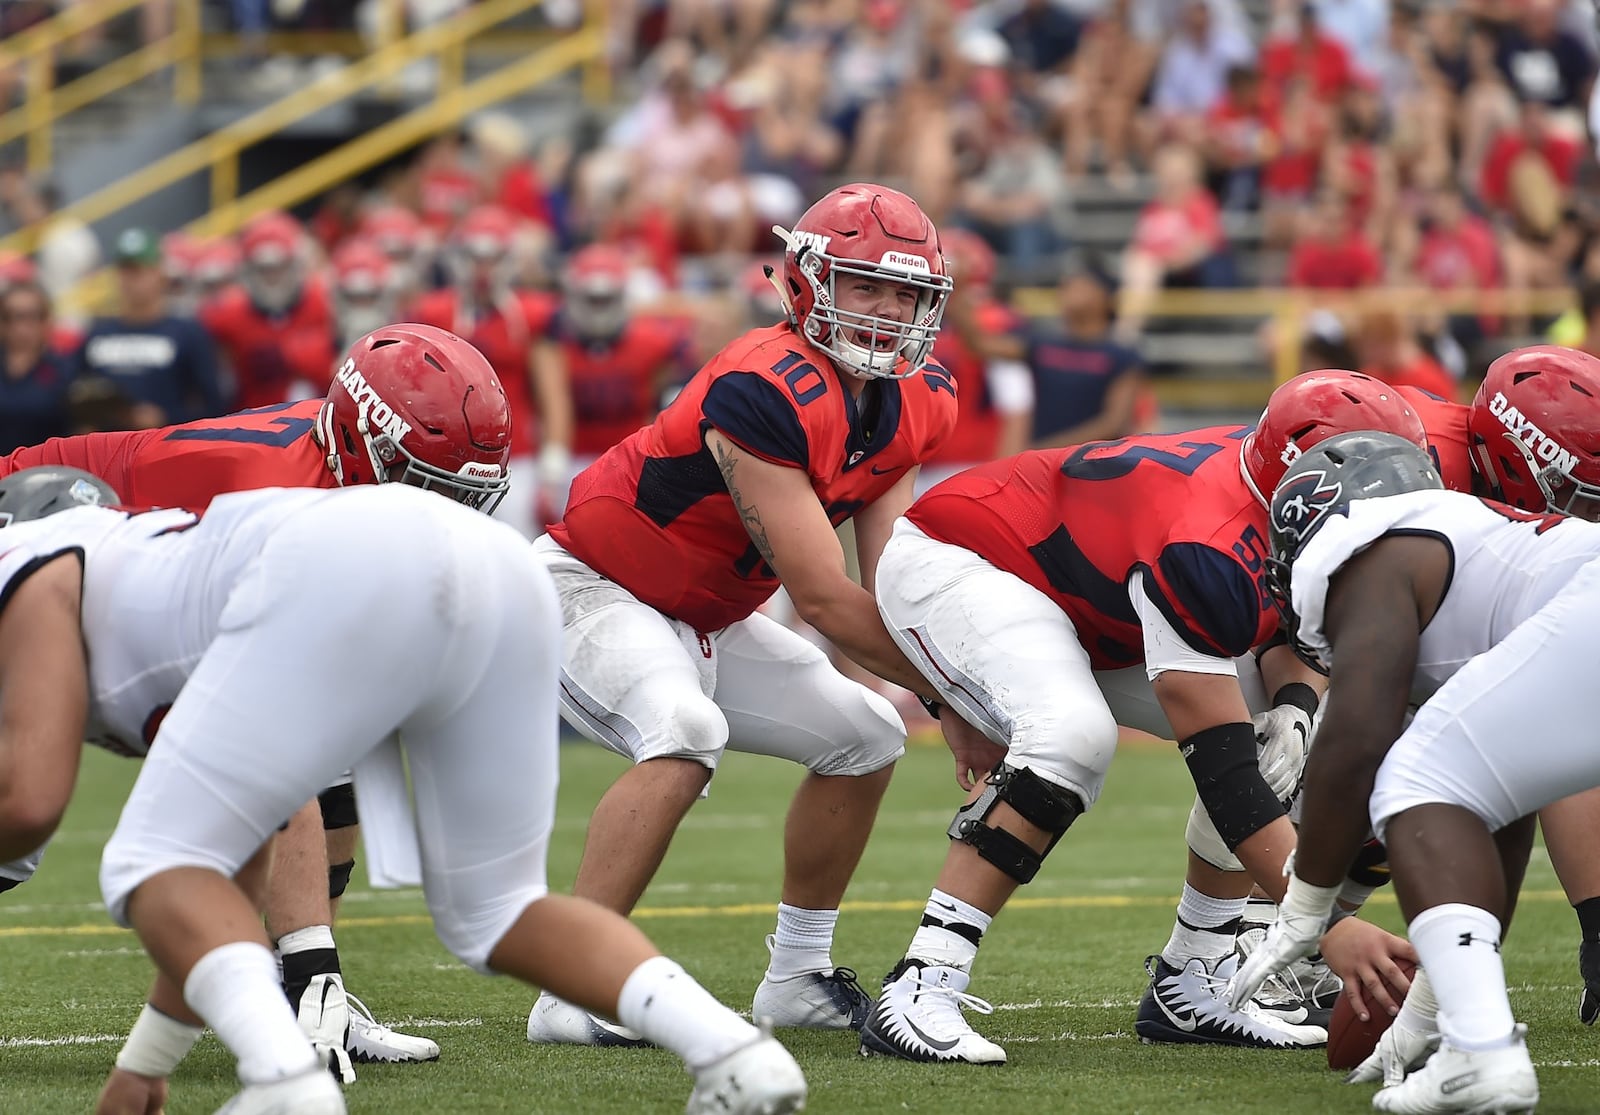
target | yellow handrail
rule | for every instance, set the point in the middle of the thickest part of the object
(219, 152)
(310, 179)
(46, 103)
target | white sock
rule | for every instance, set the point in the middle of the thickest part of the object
(950, 933)
(803, 942)
(1420, 1011)
(664, 1003)
(304, 940)
(1205, 927)
(1259, 911)
(235, 989)
(1459, 945)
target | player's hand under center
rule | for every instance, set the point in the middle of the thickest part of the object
(128, 1093)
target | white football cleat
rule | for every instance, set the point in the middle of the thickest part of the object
(1464, 1082)
(816, 1000)
(555, 1021)
(918, 1018)
(311, 1093)
(370, 1042)
(756, 1079)
(1190, 1005)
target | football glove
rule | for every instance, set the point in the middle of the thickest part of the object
(1283, 735)
(1302, 920)
(324, 1015)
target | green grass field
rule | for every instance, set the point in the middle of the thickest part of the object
(1063, 966)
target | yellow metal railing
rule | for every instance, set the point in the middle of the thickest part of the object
(44, 102)
(578, 49)
(219, 152)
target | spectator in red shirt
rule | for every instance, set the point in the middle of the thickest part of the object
(1387, 348)
(1308, 52)
(507, 175)
(1332, 253)
(1239, 138)
(1457, 250)
(1531, 137)
(1301, 125)
(1178, 240)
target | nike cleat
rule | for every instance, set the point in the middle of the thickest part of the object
(311, 1093)
(1303, 994)
(370, 1042)
(817, 1000)
(1461, 1082)
(918, 1018)
(1189, 1005)
(555, 1021)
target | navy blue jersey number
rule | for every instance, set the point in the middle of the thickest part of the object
(805, 383)
(288, 430)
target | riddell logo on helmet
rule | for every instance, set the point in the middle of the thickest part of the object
(477, 470)
(378, 415)
(813, 240)
(1544, 450)
(904, 261)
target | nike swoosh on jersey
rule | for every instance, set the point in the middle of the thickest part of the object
(876, 471)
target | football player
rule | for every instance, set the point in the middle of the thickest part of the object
(265, 684)
(674, 538)
(364, 290)
(410, 403)
(1526, 439)
(505, 323)
(1055, 595)
(616, 365)
(276, 326)
(1490, 610)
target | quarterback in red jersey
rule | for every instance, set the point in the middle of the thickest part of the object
(276, 326)
(505, 324)
(674, 537)
(616, 365)
(1530, 439)
(1054, 595)
(995, 395)
(410, 404)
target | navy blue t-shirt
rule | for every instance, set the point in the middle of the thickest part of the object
(1071, 378)
(171, 363)
(34, 408)
(1552, 73)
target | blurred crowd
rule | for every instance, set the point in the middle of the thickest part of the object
(1363, 143)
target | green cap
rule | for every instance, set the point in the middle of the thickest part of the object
(137, 245)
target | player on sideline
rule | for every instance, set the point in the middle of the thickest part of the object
(457, 655)
(1051, 597)
(410, 403)
(1491, 610)
(1540, 403)
(674, 537)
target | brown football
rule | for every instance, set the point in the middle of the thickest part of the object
(1350, 1040)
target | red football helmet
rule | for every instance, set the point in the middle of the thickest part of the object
(216, 265)
(481, 258)
(363, 289)
(396, 230)
(272, 260)
(1318, 405)
(971, 257)
(419, 405)
(873, 234)
(595, 285)
(1535, 429)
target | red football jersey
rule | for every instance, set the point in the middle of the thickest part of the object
(505, 335)
(1076, 523)
(977, 423)
(1449, 443)
(614, 382)
(269, 354)
(191, 464)
(654, 515)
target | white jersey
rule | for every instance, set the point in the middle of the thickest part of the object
(154, 588)
(1505, 566)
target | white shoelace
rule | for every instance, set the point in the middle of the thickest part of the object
(956, 999)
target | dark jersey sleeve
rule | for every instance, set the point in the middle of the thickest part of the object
(1208, 597)
(755, 413)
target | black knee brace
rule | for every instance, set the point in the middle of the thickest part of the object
(339, 877)
(338, 806)
(1040, 803)
(1227, 775)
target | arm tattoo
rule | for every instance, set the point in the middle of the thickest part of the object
(727, 459)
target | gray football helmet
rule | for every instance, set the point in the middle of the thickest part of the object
(33, 493)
